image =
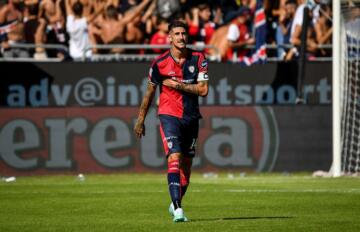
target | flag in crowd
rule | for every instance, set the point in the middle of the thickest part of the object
(259, 55)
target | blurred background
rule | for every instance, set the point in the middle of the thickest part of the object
(73, 73)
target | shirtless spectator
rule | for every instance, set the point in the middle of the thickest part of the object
(312, 45)
(220, 44)
(133, 32)
(148, 22)
(12, 29)
(108, 32)
(323, 29)
(87, 7)
(112, 29)
(53, 32)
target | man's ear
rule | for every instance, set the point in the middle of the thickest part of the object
(169, 36)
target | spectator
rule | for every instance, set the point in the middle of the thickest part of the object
(54, 31)
(167, 9)
(238, 35)
(286, 18)
(88, 6)
(133, 32)
(12, 29)
(220, 43)
(273, 10)
(77, 27)
(323, 28)
(40, 39)
(112, 29)
(201, 28)
(148, 22)
(312, 46)
(108, 31)
(161, 36)
(298, 20)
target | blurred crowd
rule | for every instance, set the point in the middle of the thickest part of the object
(226, 25)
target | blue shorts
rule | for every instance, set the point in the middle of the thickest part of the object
(179, 135)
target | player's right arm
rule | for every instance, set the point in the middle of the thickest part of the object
(139, 128)
(154, 80)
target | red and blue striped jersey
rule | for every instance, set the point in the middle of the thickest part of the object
(172, 101)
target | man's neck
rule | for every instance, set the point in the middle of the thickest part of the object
(178, 54)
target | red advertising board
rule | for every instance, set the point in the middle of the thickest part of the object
(100, 139)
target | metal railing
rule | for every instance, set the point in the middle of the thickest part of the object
(135, 56)
(27, 46)
(141, 57)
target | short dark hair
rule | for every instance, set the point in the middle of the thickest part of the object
(178, 23)
(203, 6)
(111, 12)
(291, 2)
(78, 8)
(160, 20)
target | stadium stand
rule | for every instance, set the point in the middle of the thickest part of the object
(41, 30)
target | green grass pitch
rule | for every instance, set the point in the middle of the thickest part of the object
(139, 202)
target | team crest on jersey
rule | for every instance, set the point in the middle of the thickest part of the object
(191, 68)
(170, 145)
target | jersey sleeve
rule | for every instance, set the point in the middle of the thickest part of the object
(154, 74)
(203, 69)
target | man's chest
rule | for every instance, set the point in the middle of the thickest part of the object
(186, 72)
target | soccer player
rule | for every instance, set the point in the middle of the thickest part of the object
(181, 75)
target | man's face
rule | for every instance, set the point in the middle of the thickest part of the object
(163, 26)
(290, 10)
(205, 14)
(178, 37)
(241, 19)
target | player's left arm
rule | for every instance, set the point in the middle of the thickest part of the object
(201, 88)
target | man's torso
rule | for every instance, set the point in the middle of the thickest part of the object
(174, 102)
